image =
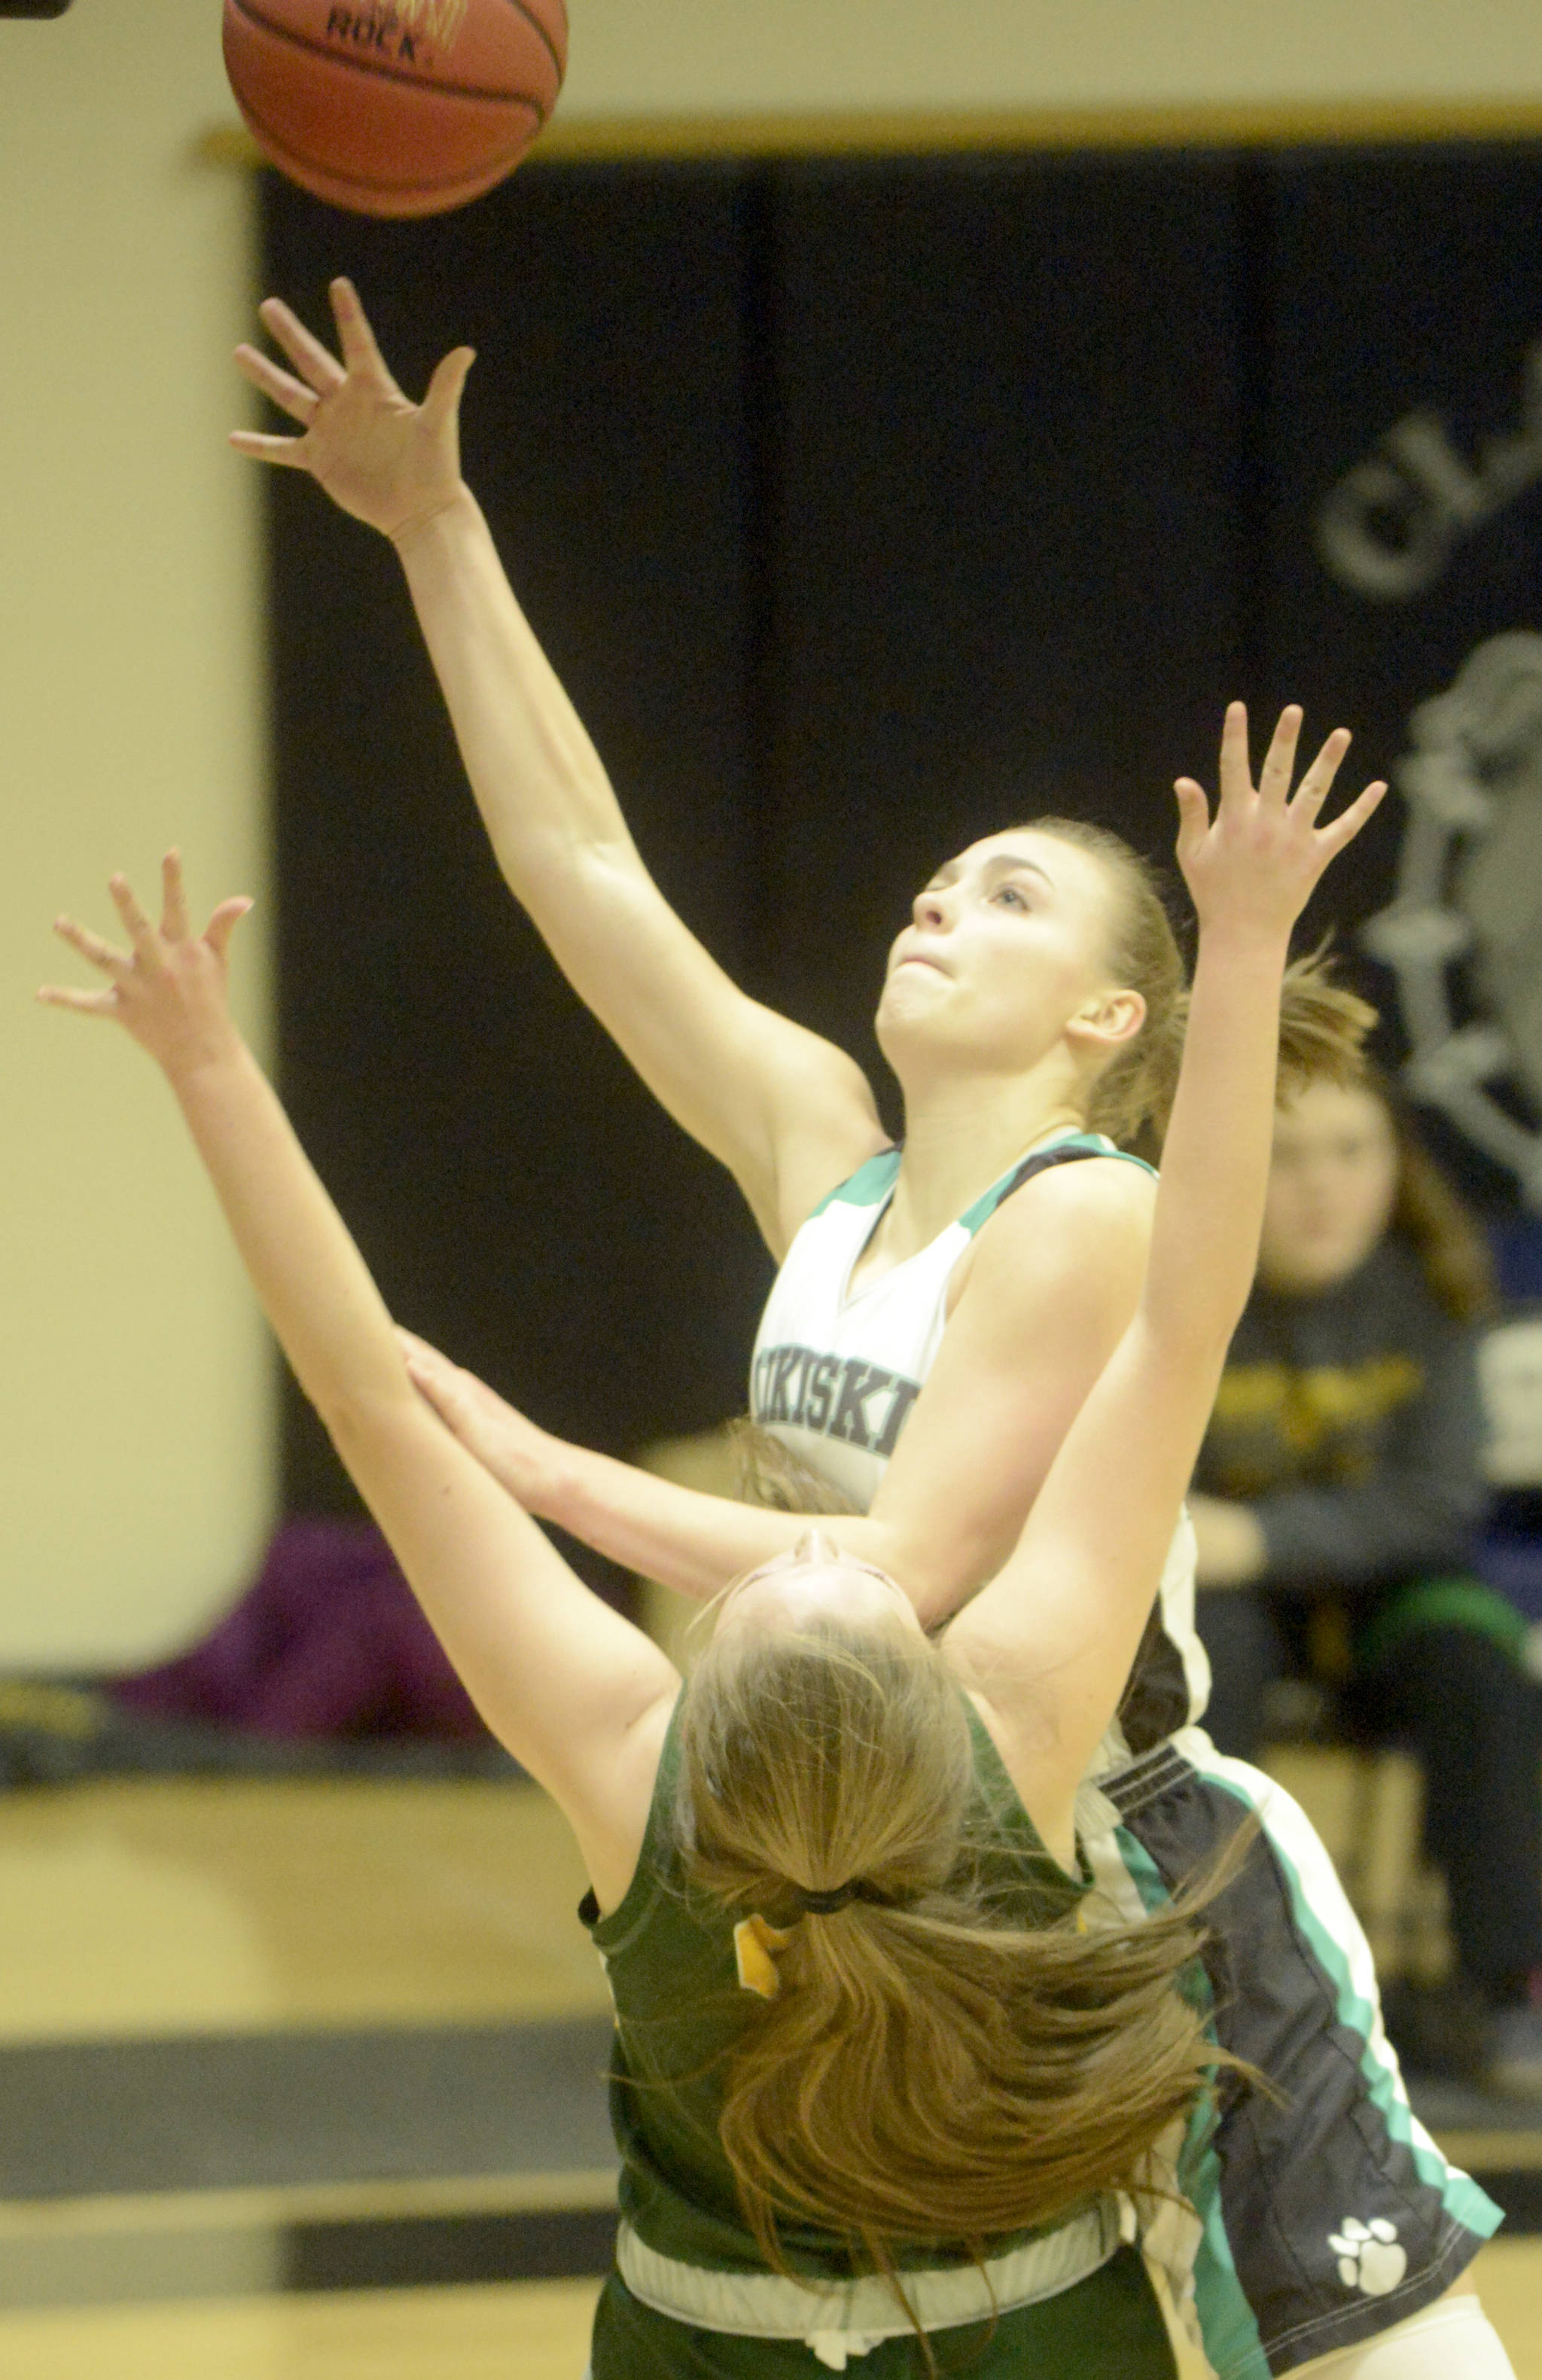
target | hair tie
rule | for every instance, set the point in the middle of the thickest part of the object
(825, 1904)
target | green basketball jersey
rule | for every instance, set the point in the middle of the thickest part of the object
(693, 2293)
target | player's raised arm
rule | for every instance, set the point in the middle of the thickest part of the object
(1051, 1641)
(561, 1679)
(789, 1114)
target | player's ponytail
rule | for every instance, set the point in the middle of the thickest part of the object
(1322, 1025)
(926, 2052)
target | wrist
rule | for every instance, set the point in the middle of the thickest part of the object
(210, 1056)
(458, 506)
(1246, 941)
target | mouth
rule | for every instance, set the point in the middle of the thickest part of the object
(912, 958)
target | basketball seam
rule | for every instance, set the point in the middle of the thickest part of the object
(389, 74)
(539, 29)
(365, 181)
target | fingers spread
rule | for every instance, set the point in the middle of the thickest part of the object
(85, 1004)
(1339, 831)
(1274, 778)
(174, 899)
(1236, 774)
(311, 360)
(270, 450)
(1194, 809)
(449, 380)
(1316, 783)
(291, 395)
(146, 941)
(357, 340)
(223, 922)
(91, 947)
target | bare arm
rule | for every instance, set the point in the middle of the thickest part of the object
(1049, 1643)
(570, 1687)
(1052, 1281)
(786, 1113)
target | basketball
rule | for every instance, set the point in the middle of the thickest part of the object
(395, 107)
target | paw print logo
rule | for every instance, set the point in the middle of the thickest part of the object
(1369, 2256)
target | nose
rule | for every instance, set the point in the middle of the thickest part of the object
(930, 908)
(814, 1545)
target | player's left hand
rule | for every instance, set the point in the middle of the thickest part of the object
(1254, 866)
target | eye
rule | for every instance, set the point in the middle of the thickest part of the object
(1011, 894)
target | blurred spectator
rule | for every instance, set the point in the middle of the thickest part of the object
(1336, 1500)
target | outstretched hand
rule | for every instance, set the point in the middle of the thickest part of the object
(1255, 865)
(169, 989)
(387, 461)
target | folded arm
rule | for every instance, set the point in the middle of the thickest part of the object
(569, 1686)
(786, 1113)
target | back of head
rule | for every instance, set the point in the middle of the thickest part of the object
(935, 2063)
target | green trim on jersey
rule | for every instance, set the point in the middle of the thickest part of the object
(1233, 2343)
(870, 1184)
(1085, 1143)
(1461, 2196)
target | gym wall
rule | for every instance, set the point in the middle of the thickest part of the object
(142, 1469)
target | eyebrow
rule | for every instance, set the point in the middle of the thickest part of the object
(1005, 863)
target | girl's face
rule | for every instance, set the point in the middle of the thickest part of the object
(1332, 1185)
(1007, 943)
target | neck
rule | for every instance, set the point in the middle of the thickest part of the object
(961, 1135)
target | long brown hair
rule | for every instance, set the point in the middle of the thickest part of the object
(1322, 1025)
(931, 2065)
(1453, 1255)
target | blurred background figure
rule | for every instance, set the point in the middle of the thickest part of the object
(1339, 1494)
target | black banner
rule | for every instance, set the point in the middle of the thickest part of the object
(865, 507)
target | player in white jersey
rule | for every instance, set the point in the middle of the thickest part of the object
(1036, 991)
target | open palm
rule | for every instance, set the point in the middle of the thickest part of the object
(1256, 862)
(387, 461)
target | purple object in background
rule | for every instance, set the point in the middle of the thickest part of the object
(329, 1641)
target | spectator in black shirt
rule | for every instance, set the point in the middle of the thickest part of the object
(1335, 1500)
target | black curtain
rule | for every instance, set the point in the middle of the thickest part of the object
(862, 507)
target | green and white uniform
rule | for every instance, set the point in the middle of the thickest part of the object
(693, 2296)
(1317, 2222)
(834, 1378)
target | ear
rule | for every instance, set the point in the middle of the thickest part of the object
(1105, 1022)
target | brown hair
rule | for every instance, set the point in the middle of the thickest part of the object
(1322, 1025)
(770, 1475)
(931, 2065)
(1453, 1255)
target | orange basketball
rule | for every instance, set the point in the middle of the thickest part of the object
(395, 107)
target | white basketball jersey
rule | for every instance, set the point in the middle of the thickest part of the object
(834, 1377)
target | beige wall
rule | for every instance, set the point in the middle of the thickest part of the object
(135, 1482)
(641, 57)
(135, 1457)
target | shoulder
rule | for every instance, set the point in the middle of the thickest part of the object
(1097, 1210)
(623, 1830)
